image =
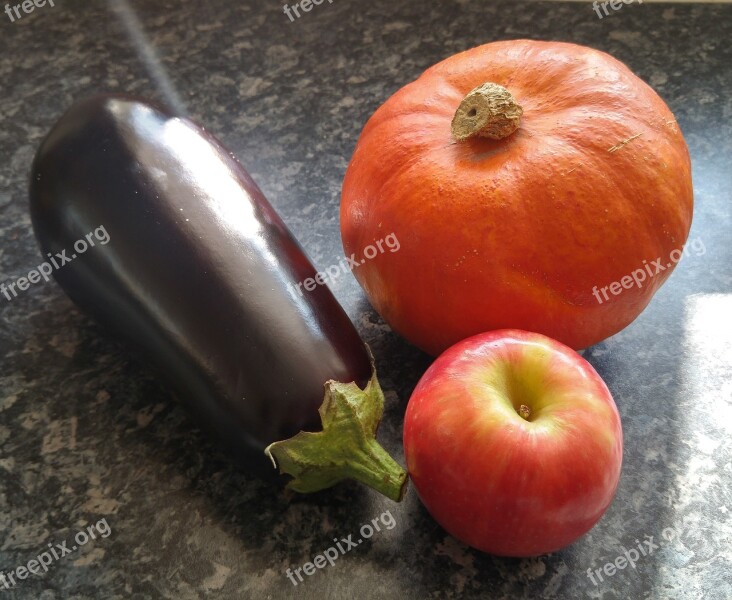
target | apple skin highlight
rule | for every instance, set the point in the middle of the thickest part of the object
(513, 443)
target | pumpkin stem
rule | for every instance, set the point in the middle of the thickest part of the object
(488, 111)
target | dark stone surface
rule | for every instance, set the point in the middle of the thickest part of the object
(86, 433)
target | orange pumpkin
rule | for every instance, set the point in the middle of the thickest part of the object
(519, 204)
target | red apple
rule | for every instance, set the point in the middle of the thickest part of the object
(513, 443)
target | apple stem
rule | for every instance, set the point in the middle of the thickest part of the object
(524, 411)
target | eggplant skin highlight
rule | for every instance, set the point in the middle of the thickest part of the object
(199, 274)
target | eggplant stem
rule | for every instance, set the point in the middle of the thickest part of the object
(346, 448)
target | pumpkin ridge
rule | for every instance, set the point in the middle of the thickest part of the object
(522, 231)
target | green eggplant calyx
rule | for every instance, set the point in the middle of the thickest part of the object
(347, 446)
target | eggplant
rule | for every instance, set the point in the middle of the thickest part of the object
(200, 276)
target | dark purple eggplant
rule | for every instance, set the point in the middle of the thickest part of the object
(200, 275)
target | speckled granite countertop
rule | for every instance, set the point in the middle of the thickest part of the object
(88, 438)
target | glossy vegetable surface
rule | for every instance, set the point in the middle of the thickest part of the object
(199, 272)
